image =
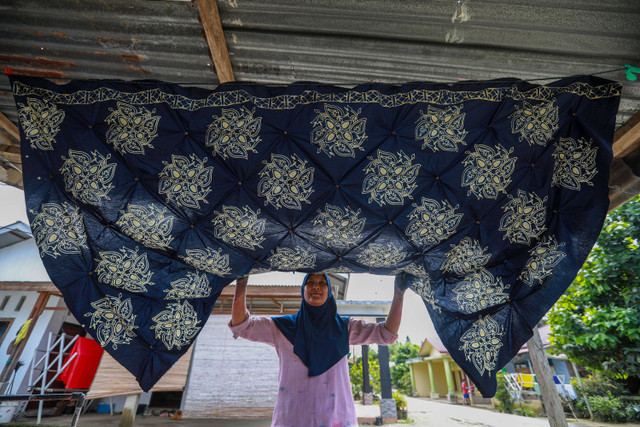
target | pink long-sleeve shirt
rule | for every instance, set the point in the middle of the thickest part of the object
(303, 401)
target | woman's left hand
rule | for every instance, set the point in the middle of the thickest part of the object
(401, 283)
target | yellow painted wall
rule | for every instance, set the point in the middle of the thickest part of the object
(421, 375)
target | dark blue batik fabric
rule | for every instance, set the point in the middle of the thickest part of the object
(147, 198)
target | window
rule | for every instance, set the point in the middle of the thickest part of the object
(5, 324)
(5, 300)
(19, 305)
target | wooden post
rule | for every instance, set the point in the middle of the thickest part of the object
(215, 39)
(544, 377)
(129, 412)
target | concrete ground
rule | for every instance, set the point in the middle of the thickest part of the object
(422, 412)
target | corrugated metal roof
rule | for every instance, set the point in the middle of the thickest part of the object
(347, 41)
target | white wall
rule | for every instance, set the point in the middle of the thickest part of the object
(49, 320)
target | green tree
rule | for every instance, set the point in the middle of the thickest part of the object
(597, 322)
(400, 371)
(355, 375)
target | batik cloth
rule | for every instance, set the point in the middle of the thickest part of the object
(146, 199)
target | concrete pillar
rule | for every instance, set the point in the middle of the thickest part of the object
(451, 394)
(434, 392)
(367, 392)
(413, 380)
(129, 412)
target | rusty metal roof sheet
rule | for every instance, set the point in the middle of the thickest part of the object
(346, 41)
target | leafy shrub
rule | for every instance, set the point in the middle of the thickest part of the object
(633, 412)
(603, 394)
(601, 385)
(503, 395)
(401, 404)
(525, 411)
(607, 408)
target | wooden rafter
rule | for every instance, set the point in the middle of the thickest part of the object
(627, 138)
(9, 126)
(214, 34)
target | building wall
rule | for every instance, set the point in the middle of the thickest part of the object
(229, 378)
(421, 375)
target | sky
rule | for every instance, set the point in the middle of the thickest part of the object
(416, 323)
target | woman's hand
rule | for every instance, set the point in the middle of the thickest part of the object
(401, 283)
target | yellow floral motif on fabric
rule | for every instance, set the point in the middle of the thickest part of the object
(292, 259)
(390, 178)
(131, 128)
(337, 227)
(524, 217)
(194, 285)
(209, 260)
(536, 123)
(285, 182)
(239, 227)
(113, 320)
(481, 344)
(465, 257)
(426, 292)
(379, 255)
(150, 225)
(177, 326)
(59, 229)
(126, 270)
(479, 290)
(441, 129)
(186, 181)
(546, 255)
(575, 163)
(432, 222)
(414, 270)
(487, 172)
(338, 131)
(234, 133)
(40, 122)
(88, 176)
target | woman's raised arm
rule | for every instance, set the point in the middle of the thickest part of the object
(239, 312)
(392, 324)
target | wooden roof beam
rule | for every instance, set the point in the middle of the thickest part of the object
(210, 18)
(627, 138)
(9, 126)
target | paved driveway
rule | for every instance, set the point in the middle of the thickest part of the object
(424, 412)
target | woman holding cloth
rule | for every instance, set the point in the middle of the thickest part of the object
(313, 378)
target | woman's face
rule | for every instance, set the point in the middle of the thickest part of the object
(316, 290)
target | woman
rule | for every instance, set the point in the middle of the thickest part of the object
(313, 379)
